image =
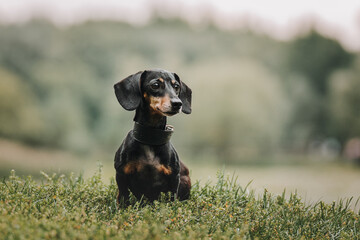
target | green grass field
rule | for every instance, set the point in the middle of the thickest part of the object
(71, 207)
(313, 180)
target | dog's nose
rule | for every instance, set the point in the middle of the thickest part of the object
(176, 103)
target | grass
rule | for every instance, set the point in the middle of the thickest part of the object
(71, 207)
(312, 178)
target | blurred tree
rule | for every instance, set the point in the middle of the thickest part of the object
(314, 58)
(20, 118)
(239, 110)
(304, 104)
(23, 46)
(344, 102)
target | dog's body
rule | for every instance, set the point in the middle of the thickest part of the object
(146, 163)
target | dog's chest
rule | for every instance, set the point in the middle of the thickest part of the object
(148, 174)
(148, 163)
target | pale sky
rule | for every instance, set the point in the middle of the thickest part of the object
(279, 18)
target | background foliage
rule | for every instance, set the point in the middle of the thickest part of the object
(252, 95)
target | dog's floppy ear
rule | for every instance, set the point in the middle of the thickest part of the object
(185, 96)
(128, 93)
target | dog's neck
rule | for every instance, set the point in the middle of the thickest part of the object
(151, 136)
(146, 117)
(150, 127)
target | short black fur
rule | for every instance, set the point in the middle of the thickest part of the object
(146, 169)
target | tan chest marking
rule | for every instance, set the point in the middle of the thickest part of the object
(138, 166)
(164, 170)
(133, 167)
(149, 160)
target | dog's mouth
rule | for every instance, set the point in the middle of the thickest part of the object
(169, 113)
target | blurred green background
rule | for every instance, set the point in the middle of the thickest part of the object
(283, 114)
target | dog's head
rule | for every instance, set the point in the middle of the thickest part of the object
(161, 90)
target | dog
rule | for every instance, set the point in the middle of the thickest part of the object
(146, 163)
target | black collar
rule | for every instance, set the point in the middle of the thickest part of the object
(152, 136)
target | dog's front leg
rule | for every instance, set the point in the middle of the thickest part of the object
(185, 183)
(174, 186)
(123, 195)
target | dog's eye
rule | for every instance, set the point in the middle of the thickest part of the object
(155, 85)
(176, 86)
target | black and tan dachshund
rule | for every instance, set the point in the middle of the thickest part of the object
(146, 163)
